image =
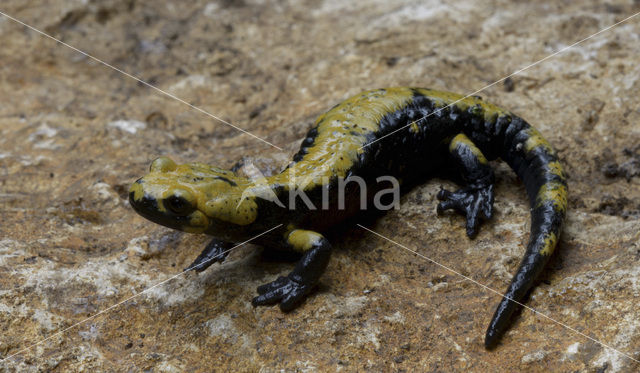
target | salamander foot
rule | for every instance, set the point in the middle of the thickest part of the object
(471, 202)
(285, 290)
(215, 251)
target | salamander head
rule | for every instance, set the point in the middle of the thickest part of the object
(192, 197)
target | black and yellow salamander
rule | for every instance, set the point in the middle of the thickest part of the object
(444, 131)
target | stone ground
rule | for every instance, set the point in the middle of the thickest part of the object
(74, 134)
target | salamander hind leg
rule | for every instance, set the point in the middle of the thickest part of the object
(475, 201)
(291, 290)
(215, 251)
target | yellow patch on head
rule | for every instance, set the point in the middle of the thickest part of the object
(198, 223)
(160, 204)
(233, 210)
(138, 191)
(414, 127)
(555, 192)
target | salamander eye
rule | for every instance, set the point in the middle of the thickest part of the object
(178, 205)
(162, 164)
(180, 202)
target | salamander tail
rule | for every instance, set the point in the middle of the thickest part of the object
(533, 159)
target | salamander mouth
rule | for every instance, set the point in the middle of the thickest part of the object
(147, 207)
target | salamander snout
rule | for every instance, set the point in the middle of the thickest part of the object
(139, 200)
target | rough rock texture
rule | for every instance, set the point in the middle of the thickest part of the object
(74, 134)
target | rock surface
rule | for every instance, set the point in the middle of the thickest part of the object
(74, 134)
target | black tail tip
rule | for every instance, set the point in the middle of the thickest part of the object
(491, 339)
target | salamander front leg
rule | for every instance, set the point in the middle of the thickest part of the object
(291, 290)
(476, 200)
(215, 251)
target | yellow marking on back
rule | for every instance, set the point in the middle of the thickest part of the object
(303, 240)
(555, 168)
(555, 192)
(441, 99)
(414, 127)
(462, 139)
(536, 140)
(341, 134)
(342, 131)
(550, 242)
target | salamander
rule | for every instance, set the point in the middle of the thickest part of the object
(428, 131)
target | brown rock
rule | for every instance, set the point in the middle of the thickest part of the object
(74, 134)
